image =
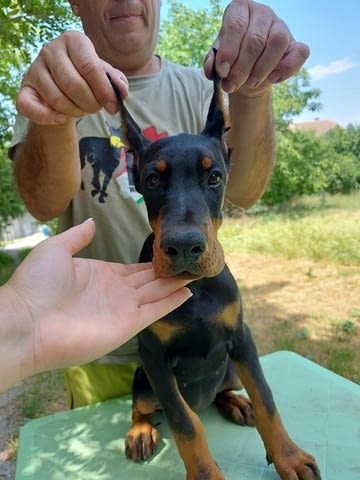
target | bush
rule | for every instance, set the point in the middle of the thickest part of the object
(6, 259)
(24, 252)
(299, 168)
(345, 173)
(7, 266)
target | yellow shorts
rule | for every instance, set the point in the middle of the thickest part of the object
(94, 382)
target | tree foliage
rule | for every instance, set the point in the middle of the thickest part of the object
(298, 169)
(342, 147)
(10, 204)
(188, 34)
(292, 97)
(24, 26)
(305, 163)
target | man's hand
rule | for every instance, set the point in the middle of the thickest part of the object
(68, 80)
(255, 49)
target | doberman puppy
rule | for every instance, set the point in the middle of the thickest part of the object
(197, 354)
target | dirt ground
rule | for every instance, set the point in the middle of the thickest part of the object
(288, 304)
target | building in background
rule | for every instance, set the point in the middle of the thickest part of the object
(320, 127)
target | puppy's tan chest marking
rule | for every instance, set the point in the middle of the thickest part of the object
(165, 332)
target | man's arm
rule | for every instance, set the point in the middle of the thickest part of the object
(47, 168)
(252, 140)
(255, 49)
(65, 82)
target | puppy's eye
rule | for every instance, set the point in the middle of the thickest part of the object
(152, 180)
(214, 179)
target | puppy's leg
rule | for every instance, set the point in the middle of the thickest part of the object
(184, 423)
(289, 460)
(142, 438)
(236, 407)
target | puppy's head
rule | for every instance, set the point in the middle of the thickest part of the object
(183, 180)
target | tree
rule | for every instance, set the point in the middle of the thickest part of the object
(299, 170)
(307, 164)
(10, 204)
(292, 97)
(24, 25)
(187, 35)
(345, 140)
(342, 147)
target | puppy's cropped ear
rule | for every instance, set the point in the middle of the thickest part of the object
(136, 141)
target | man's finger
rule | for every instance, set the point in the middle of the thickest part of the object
(93, 70)
(30, 106)
(291, 62)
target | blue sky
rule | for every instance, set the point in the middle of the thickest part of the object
(330, 28)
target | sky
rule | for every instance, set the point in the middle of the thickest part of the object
(330, 28)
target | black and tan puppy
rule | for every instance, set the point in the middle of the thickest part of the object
(197, 354)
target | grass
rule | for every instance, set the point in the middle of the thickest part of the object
(342, 360)
(7, 266)
(46, 390)
(326, 202)
(338, 352)
(327, 231)
(321, 233)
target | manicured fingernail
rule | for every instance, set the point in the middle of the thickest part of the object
(224, 69)
(111, 108)
(88, 220)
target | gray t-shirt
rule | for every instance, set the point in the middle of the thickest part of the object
(174, 100)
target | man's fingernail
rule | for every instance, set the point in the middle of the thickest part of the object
(60, 118)
(275, 76)
(111, 108)
(224, 69)
(252, 82)
(229, 87)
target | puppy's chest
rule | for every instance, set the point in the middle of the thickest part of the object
(194, 341)
(199, 359)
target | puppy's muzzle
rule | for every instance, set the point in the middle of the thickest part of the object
(183, 248)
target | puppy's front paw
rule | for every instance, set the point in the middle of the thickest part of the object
(141, 441)
(295, 464)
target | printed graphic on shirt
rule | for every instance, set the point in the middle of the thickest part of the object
(109, 158)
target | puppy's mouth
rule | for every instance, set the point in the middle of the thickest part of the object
(208, 266)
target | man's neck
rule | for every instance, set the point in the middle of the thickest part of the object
(134, 69)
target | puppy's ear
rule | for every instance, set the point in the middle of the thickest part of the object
(215, 123)
(136, 141)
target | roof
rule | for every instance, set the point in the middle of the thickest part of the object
(319, 126)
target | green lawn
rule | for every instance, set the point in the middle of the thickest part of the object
(315, 228)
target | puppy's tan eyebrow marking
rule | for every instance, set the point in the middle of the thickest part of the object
(161, 166)
(206, 163)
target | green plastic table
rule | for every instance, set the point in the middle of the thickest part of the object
(320, 409)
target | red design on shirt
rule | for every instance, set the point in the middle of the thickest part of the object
(152, 134)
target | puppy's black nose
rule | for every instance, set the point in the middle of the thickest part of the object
(184, 247)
